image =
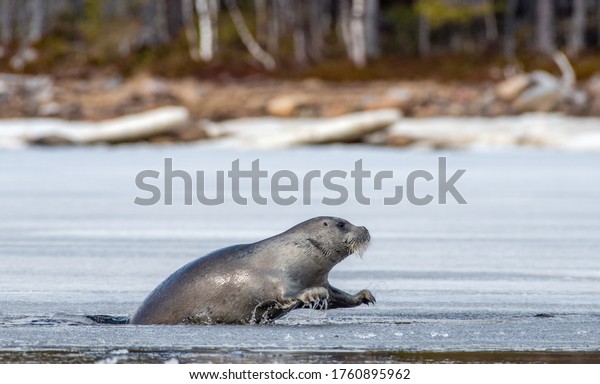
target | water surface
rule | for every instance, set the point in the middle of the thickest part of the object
(514, 275)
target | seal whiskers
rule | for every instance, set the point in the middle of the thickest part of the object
(358, 244)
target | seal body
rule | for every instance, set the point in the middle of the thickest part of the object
(262, 281)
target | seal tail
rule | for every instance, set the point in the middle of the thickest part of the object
(107, 319)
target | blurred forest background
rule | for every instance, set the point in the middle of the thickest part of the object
(328, 39)
(211, 61)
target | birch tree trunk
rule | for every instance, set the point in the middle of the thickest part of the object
(36, 14)
(545, 33)
(510, 29)
(491, 26)
(161, 23)
(357, 32)
(299, 34)
(6, 20)
(577, 30)
(253, 47)
(344, 25)
(286, 16)
(188, 15)
(598, 22)
(213, 10)
(315, 23)
(153, 31)
(372, 29)
(174, 16)
(424, 36)
(205, 31)
(261, 17)
(327, 16)
(273, 36)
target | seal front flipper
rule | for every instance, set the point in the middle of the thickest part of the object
(314, 297)
(341, 299)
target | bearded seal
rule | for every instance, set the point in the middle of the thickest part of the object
(262, 281)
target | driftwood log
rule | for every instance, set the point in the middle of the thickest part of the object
(281, 133)
(130, 128)
(534, 129)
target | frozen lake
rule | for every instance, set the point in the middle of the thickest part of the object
(514, 275)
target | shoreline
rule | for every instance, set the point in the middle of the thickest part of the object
(103, 97)
(382, 128)
(536, 109)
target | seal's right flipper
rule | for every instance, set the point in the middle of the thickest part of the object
(341, 299)
(314, 297)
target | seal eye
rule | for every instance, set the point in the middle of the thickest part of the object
(325, 223)
(341, 224)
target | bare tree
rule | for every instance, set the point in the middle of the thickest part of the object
(205, 30)
(545, 33)
(188, 15)
(316, 28)
(174, 15)
(510, 29)
(299, 34)
(357, 31)
(344, 25)
(153, 31)
(598, 22)
(352, 29)
(577, 30)
(160, 21)
(213, 10)
(491, 26)
(36, 20)
(424, 39)
(261, 17)
(273, 36)
(372, 28)
(253, 47)
(6, 21)
(5, 26)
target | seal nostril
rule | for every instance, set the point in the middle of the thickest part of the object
(366, 233)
